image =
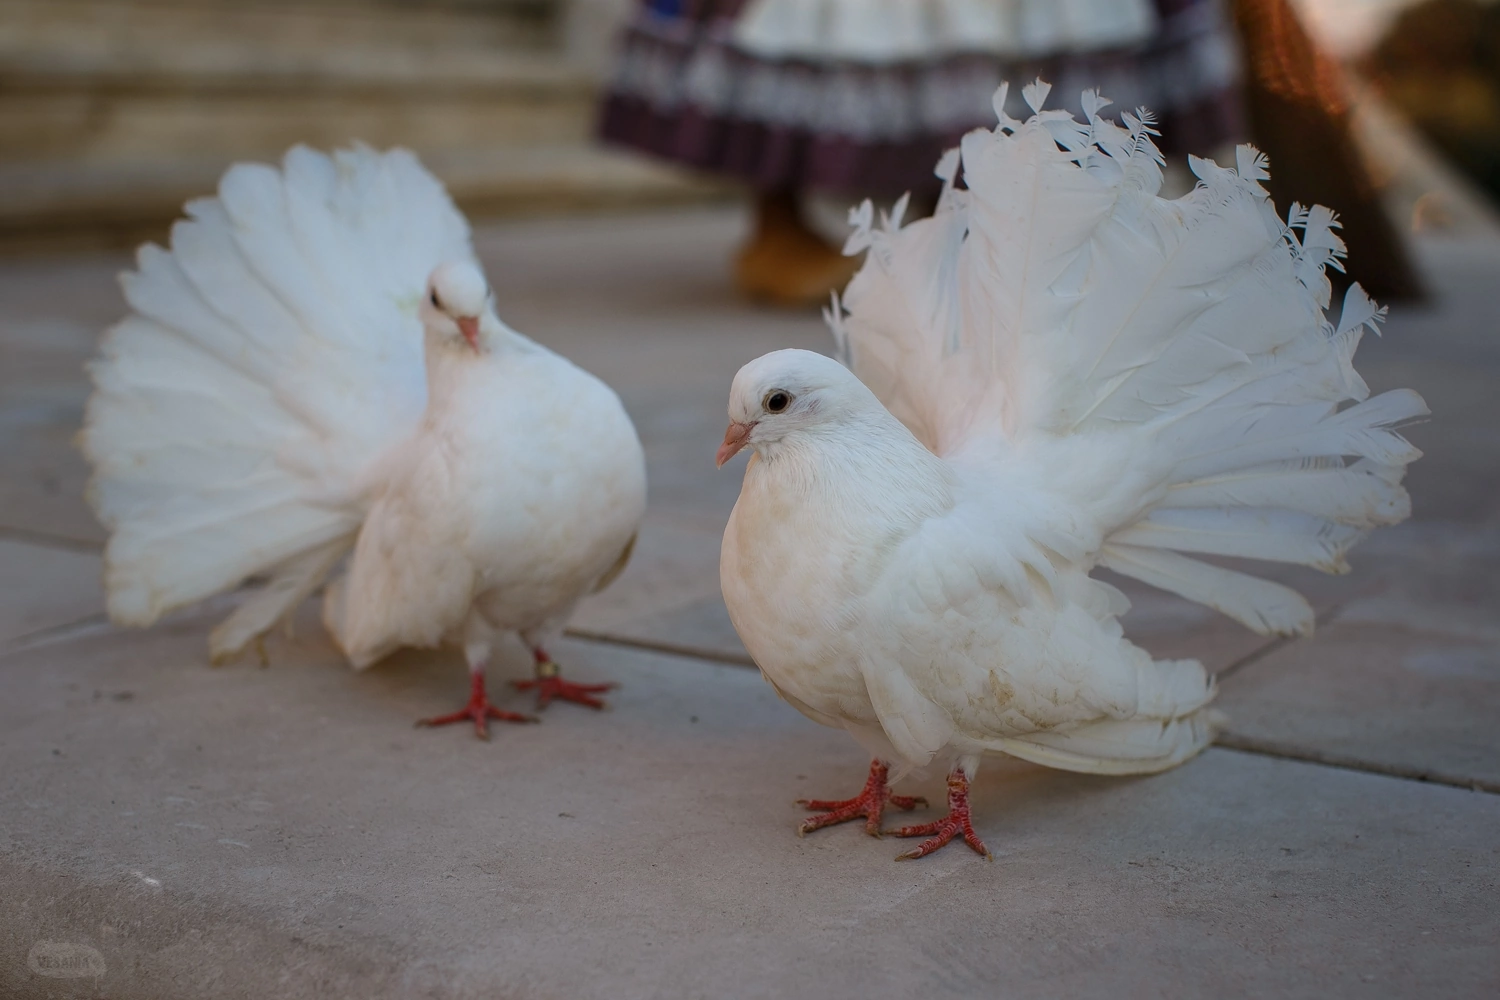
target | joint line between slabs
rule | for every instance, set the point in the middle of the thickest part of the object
(666, 648)
(1276, 644)
(1308, 755)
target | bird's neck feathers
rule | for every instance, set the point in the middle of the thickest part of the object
(449, 358)
(446, 361)
(868, 464)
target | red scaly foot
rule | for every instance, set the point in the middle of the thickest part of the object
(478, 710)
(549, 685)
(869, 803)
(943, 830)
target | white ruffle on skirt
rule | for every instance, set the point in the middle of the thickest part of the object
(890, 31)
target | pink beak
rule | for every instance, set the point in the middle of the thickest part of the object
(469, 327)
(734, 439)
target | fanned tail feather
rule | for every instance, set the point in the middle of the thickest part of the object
(1056, 298)
(294, 581)
(272, 355)
(1260, 605)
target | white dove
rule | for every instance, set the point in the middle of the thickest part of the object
(1075, 373)
(314, 371)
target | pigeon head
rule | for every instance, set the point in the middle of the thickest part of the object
(457, 304)
(787, 393)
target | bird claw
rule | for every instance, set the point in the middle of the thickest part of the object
(870, 803)
(553, 686)
(479, 711)
(940, 832)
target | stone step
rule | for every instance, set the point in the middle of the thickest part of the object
(70, 205)
(113, 113)
(103, 44)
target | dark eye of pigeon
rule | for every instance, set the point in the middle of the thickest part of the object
(432, 297)
(776, 401)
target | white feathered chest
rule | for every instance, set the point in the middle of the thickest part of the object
(816, 596)
(531, 468)
(910, 610)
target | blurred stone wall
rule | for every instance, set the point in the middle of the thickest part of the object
(113, 112)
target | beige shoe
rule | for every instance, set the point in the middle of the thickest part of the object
(786, 263)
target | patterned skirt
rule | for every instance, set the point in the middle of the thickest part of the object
(723, 86)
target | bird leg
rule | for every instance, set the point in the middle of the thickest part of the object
(550, 685)
(941, 831)
(478, 710)
(870, 804)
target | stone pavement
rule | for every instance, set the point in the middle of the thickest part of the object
(284, 832)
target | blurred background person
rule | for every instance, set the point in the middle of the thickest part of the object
(859, 98)
(1301, 115)
(117, 111)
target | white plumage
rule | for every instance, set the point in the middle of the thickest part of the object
(314, 370)
(1073, 372)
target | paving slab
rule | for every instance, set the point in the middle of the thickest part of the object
(1404, 677)
(1448, 351)
(1380, 696)
(43, 587)
(284, 832)
(675, 562)
(51, 312)
(42, 475)
(1434, 576)
(248, 832)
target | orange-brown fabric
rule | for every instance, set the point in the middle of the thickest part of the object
(1300, 117)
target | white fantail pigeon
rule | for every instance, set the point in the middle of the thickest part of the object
(1060, 371)
(315, 371)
